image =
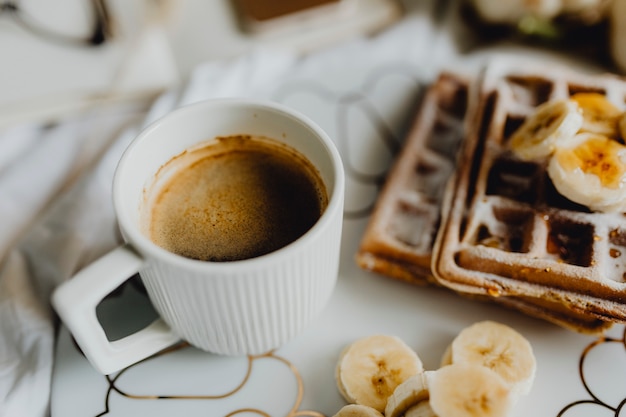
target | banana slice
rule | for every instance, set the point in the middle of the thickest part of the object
(357, 410)
(599, 114)
(421, 409)
(409, 393)
(468, 390)
(591, 170)
(552, 123)
(369, 369)
(499, 348)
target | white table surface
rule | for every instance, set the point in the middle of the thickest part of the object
(361, 107)
(356, 105)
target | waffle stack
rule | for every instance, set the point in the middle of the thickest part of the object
(460, 211)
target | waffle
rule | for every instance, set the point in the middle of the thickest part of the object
(507, 231)
(399, 239)
(400, 235)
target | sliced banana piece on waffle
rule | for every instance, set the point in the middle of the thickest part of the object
(357, 410)
(552, 123)
(499, 348)
(469, 390)
(591, 170)
(369, 369)
(599, 114)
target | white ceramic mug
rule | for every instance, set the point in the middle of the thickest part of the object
(234, 308)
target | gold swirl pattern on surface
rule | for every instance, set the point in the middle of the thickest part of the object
(293, 412)
(594, 401)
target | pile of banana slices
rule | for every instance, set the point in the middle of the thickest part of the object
(581, 139)
(484, 371)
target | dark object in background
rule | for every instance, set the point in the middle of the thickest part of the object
(263, 15)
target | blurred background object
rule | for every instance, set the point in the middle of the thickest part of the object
(591, 28)
(75, 22)
(59, 56)
(62, 55)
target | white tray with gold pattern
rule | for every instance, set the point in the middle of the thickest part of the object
(366, 112)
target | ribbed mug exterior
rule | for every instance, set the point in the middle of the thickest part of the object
(251, 312)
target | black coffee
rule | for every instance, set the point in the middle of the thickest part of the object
(239, 197)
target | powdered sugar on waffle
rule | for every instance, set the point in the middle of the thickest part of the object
(508, 232)
(399, 239)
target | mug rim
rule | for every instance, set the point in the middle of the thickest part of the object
(147, 249)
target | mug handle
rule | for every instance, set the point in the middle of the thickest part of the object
(76, 300)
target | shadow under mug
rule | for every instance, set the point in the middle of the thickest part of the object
(242, 307)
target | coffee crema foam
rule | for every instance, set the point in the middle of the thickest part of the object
(235, 198)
